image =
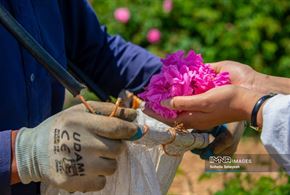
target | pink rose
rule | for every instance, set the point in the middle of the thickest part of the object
(122, 14)
(153, 35)
(167, 6)
(181, 75)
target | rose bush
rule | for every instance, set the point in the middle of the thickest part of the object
(252, 32)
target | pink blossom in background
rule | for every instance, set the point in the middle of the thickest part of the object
(153, 35)
(181, 76)
(122, 14)
(167, 6)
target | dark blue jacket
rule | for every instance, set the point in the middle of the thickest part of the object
(68, 29)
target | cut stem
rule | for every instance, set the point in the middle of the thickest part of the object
(117, 104)
(86, 104)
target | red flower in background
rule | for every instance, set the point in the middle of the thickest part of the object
(122, 14)
(167, 6)
(153, 35)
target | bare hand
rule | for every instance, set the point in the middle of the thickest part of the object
(225, 143)
(217, 106)
(240, 74)
(244, 76)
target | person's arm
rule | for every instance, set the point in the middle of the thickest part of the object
(14, 177)
(245, 76)
(110, 61)
(271, 84)
(5, 161)
(276, 129)
(8, 169)
(217, 106)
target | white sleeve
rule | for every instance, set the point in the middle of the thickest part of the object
(276, 129)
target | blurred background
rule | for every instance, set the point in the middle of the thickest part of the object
(255, 32)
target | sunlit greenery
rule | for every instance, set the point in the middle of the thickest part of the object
(254, 32)
(245, 185)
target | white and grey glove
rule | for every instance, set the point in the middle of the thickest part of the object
(74, 150)
(159, 134)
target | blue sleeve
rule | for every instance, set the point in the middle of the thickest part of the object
(5, 161)
(110, 61)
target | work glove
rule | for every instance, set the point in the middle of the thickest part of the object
(175, 142)
(74, 149)
(226, 140)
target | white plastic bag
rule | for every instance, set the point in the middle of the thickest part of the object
(144, 168)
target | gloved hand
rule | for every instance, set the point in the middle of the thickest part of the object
(227, 138)
(74, 150)
(174, 142)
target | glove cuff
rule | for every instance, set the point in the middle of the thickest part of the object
(30, 155)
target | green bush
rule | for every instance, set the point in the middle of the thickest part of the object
(265, 186)
(254, 32)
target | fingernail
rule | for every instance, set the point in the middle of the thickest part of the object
(166, 103)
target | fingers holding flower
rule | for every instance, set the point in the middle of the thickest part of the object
(217, 106)
(181, 76)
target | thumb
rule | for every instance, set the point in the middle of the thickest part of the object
(186, 103)
(107, 127)
(216, 66)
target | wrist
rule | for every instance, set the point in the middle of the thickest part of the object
(270, 84)
(259, 83)
(32, 156)
(256, 116)
(14, 173)
(248, 101)
(26, 155)
(260, 116)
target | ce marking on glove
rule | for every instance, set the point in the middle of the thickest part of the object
(72, 164)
